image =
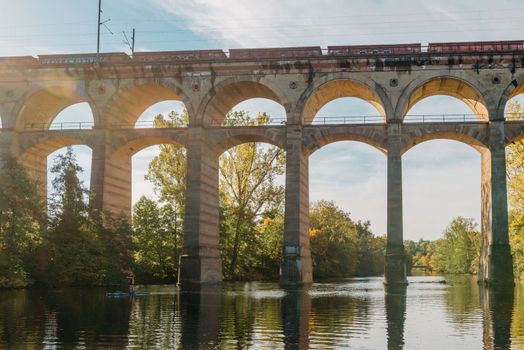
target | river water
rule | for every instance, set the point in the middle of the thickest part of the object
(355, 313)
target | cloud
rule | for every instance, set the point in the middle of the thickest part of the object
(441, 179)
(333, 22)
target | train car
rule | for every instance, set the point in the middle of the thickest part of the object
(276, 53)
(18, 60)
(84, 58)
(356, 50)
(169, 56)
(476, 46)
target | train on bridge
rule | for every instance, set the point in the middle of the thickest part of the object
(449, 48)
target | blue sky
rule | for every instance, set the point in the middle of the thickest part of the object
(441, 178)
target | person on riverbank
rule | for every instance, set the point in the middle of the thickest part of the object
(131, 282)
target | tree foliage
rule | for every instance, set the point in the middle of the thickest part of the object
(22, 219)
(341, 247)
(167, 171)
(157, 236)
(248, 188)
(515, 172)
(459, 250)
(79, 249)
(456, 253)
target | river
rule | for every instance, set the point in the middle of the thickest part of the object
(355, 313)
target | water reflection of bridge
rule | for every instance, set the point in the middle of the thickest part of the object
(209, 83)
(296, 306)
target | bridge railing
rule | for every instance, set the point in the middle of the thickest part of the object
(60, 126)
(150, 124)
(514, 116)
(321, 120)
(252, 122)
(443, 118)
(348, 119)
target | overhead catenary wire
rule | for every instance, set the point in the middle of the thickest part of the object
(258, 29)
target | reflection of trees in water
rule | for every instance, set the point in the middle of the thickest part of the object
(88, 316)
(462, 300)
(72, 316)
(22, 317)
(340, 316)
(153, 322)
(246, 318)
(517, 329)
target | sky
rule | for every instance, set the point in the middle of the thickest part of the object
(441, 179)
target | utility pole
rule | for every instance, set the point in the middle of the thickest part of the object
(131, 44)
(100, 22)
(98, 31)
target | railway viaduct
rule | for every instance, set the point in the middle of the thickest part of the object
(119, 88)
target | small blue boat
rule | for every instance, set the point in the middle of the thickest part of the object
(121, 294)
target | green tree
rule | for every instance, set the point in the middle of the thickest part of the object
(371, 251)
(167, 171)
(248, 188)
(73, 252)
(458, 252)
(334, 241)
(22, 218)
(267, 241)
(157, 237)
(515, 173)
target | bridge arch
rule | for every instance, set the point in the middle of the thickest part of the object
(174, 114)
(236, 137)
(469, 140)
(41, 107)
(447, 85)
(315, 141)
(34, 158)
(135, 97)
(230, 92)
(119, 172)
(514, 89)
(131, 147)
(334, 86)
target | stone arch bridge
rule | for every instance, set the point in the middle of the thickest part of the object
(119, 88)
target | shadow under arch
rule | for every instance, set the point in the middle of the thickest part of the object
(117, 181)
(43, 105)
(329, 89)
(128, 105)
(446, 85)
(515, 88)
(445, 135)
(514, 135)
(314, 143)
(229, 93)
(243, 136)
(132, 147)
(34, 159)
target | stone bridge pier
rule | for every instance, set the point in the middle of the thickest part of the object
(119, 88)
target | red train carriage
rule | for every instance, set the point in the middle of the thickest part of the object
(276, 53)
(170, 56)
(19, 60)
(356, 50)
(478, 46)
(84, 58)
